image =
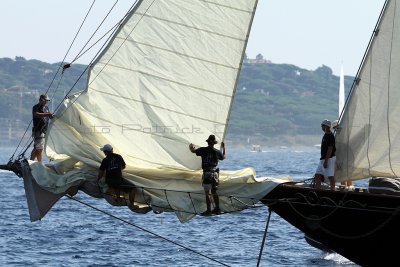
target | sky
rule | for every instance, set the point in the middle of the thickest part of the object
(305, 33)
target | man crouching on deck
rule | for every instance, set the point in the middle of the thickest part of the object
(112, 166)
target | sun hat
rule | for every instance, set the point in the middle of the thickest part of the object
(326, 123)
(106, 148)
(44, 97)
(211, 139)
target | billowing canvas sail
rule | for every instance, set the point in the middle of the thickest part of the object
(166, 79)
(368, 142)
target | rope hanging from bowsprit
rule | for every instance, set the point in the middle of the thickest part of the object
(264, 237)
(147, 231)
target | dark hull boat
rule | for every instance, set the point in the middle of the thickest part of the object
(361, 225)
(357, 225)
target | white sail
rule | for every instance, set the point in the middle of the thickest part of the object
(368, 142)
(166, 79)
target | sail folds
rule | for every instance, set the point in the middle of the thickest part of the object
(368, 139)
(166, 79)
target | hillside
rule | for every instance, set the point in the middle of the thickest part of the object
(282, 100)
(274, 103)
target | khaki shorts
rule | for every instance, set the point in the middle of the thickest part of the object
(38, 140)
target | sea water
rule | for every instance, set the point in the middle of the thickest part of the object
(75, 234)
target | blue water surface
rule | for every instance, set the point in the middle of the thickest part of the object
(74, 234)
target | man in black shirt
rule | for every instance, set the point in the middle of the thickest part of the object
(112, 166)
(326, 166)
(41, 116)
(210, 179)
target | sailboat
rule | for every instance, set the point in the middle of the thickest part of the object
(166, 78)
(360, 224)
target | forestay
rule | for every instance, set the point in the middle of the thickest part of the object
(368, 139)
(167, 78)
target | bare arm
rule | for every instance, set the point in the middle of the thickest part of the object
(223, 149)
(100, 174)
(43, 115)
(192, 149)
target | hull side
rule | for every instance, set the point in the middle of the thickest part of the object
(357, 225)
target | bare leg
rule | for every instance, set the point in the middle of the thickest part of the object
(131, 203)
(208, 199)
(33, 153)
(347, 183)
(332, 183)
(216, 198)
(39, 154)
(318, 181)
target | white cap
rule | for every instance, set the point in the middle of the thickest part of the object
(106, 148)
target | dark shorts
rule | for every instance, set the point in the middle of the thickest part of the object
(121, 184)
(210, 179)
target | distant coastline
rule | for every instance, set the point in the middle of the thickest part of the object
(276, 141)
(244, 142)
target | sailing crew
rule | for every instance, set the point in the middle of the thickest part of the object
(111, 166)
(40, 117)
(326, 166)
(210, 179)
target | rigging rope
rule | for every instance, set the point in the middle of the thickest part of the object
(168, 207)
(63, 67)
(25, 148)
(80, 53)
(146, 230)
(264, 237)
(113, 29)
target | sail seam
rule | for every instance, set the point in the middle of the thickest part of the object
(191, 27)
(181, 54)
(152, 105)
(156, 162)
(229, 7)
(169, 80)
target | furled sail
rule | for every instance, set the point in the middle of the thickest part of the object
(368, 142)
(166, 79)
